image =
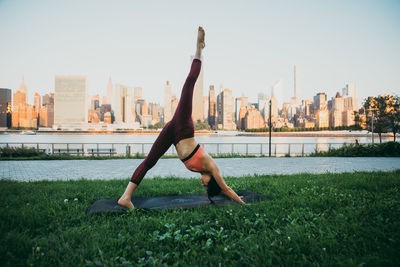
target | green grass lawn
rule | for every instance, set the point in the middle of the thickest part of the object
(328, 219)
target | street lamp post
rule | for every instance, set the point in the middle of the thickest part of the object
(372, 128)
(372, 123)
(270, 127)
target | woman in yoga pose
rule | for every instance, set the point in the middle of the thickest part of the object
(180, 132)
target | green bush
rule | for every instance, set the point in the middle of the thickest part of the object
(387, 149)
(202, 126)
(19, 152)
(302, 129)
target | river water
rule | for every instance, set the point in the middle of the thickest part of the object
(214, 144)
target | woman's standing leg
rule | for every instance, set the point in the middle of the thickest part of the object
(160, 146)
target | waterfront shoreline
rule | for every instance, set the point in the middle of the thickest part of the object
(218, 133)
(122, 132)
(317, 134)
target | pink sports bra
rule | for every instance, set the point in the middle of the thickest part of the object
(193, 162)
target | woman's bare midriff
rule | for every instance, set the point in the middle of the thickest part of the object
(185, 146)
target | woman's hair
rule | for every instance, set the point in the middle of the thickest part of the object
(213, 189)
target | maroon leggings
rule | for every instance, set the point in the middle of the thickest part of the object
(180, 127)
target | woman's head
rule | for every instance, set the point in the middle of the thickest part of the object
(205, 179)
(213, 188)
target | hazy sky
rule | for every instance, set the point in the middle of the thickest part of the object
(249, 45)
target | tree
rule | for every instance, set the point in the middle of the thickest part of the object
(359, 120)
(384, 110)
(393, 116)
(158, 125)
(374, 109)
(201, 126)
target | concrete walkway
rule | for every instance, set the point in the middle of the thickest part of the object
(35, 170)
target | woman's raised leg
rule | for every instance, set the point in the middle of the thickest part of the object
(183, 111)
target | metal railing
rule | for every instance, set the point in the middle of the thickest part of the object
(128, 149)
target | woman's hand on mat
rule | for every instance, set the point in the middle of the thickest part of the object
(227, 191)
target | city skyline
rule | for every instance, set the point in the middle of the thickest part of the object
(124, 107)
(332, 43)
(290, 96)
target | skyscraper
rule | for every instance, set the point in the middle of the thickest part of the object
(107, 118)
(351, 90)
(206, 106)
(154, 110)
(21, 96)
(253, 119)
(198, 107)
(242, 114)
(95, 102)
(37, 103)
(137, 94)
(296, 81)
(47, 111)
(285, 110)
(48, 99)
(322, 118)
(321, 110)
(295, 99)
(104, 100)
(167, 102)
(70, 101)
(225, 110)
(240, 102)
(174, 103)
(320, 102)
(36, 106)
(348, 115)
(274, 105)
(263, 104)
(23, 88)
(109, 92)
(145, 109)
(212, 107)
(122, 105)
(5, 108)
(306, 108)
(23, 115)
(104, 108)
(265, 114)
(337, 108)
(94, 111)
(139, 104)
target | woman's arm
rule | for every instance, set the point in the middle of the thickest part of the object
(225, 189)
(212, 167)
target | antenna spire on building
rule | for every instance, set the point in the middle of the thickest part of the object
(23, 87)
(109, 91)
(296, 81)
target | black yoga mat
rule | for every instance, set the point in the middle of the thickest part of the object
(169, 202)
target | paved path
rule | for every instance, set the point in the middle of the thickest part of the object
(35, 170)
